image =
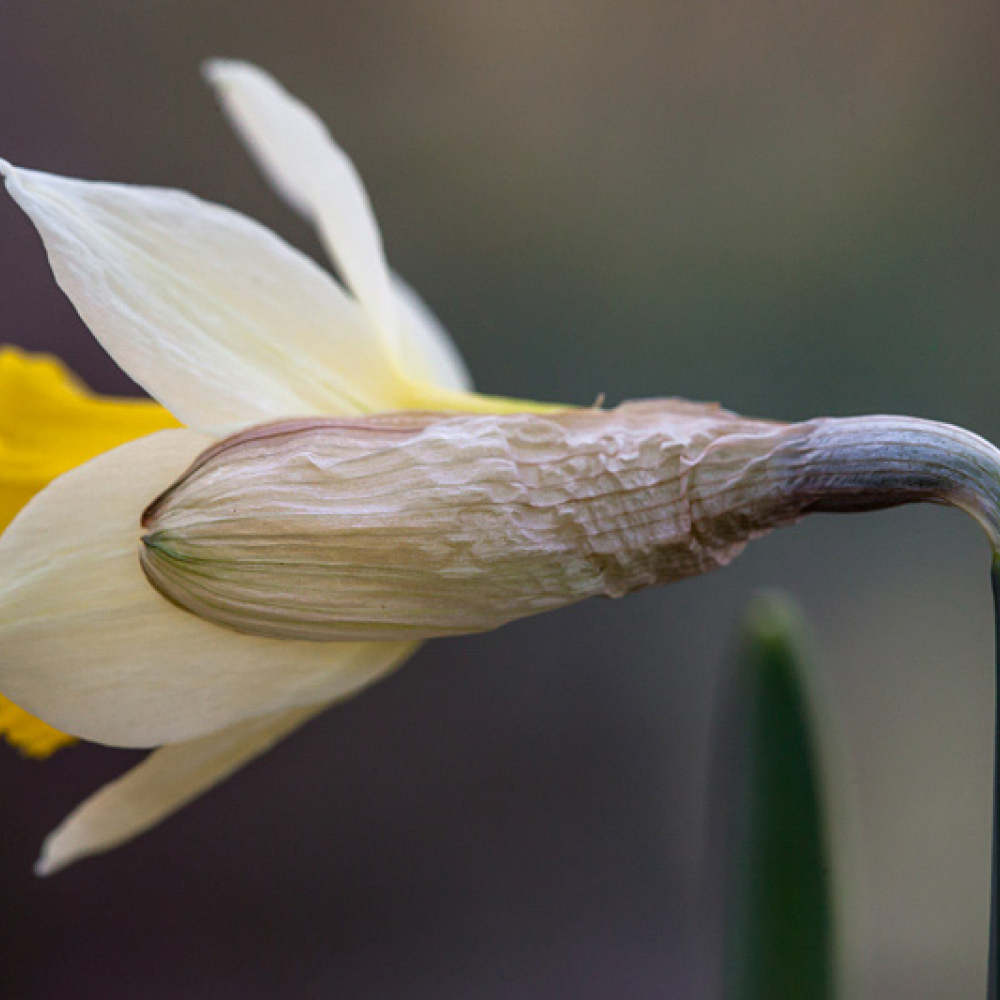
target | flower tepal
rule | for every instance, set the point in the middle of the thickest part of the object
(50, 422)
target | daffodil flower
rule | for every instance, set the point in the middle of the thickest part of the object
(338, 493)
(227, 326)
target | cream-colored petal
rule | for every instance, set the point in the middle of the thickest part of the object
(210, 312)
(295, 150)
(297, 153)
(91, 648)
(428, 354)
(166, 780)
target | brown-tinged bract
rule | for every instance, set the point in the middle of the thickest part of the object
(415, 525)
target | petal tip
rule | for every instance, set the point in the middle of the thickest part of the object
(220, 71)
(68, 843)
(13, 177)
(49, 862)
(24, 183)
(214, 69)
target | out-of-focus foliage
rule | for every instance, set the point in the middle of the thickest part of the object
(780, 922)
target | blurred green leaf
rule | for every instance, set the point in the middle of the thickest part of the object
(780, 921)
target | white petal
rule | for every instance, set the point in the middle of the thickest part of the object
(90, 647)
(428, 354)
(165, 781)
(297, 153)
(209, 311)
(295, 150)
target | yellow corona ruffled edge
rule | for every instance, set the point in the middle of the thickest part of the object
(50, 422)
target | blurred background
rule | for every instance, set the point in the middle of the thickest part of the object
(791, 208)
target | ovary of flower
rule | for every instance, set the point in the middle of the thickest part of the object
(227, 326)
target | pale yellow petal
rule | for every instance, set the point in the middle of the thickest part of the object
(89, 646)
(305, 165)
(428, 355)
(297, 153)
(214, 315)
(167, 780)
(50, 422)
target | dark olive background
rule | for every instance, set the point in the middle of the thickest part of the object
(792, 208)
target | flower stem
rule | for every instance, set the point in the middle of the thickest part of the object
(854, 464)
(991, 981)
(871, 462)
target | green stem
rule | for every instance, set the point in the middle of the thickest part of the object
(854, 464)
(992, 972)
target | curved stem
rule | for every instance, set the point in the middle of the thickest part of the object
(870, 463)
(867, 463)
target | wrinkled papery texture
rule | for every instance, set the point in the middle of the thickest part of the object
(417, 525)
(408, 526)
(49, 423)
